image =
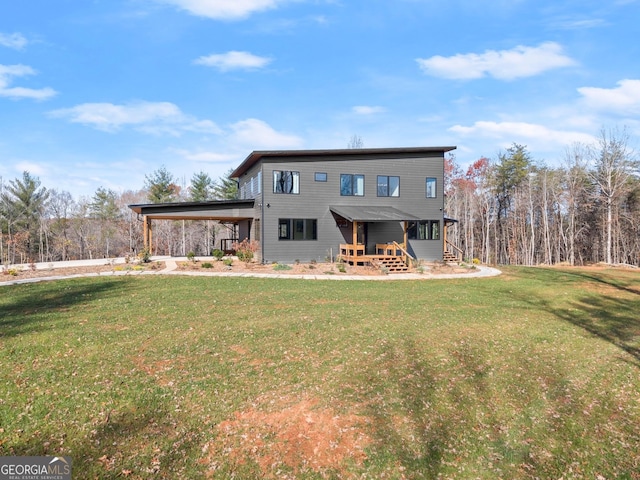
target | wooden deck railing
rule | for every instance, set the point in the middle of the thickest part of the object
(356, 253)
(457, 251)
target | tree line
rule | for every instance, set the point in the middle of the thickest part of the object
(516, 210)
(46, 225)
(508, 210)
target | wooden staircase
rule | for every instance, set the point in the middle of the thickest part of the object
(449, 257)
(389, 264)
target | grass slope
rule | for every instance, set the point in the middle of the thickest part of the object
(533, 374)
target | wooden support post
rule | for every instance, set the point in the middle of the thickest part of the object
(150, 236)
(444, 236)
(406, 238)
(145, 231)
(355, 234)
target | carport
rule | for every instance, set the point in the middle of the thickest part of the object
(223, 211)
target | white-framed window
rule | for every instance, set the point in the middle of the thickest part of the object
(430, 189)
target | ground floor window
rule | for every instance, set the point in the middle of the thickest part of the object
(297, 229)
(424, 230)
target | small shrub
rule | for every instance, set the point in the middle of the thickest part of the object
(228, 261)
(476, 261)
(11, 271)
(207, 265)
(245, 250)
(281, 266)
(145, 255)
(217, 254)
(342, 268)
(191, 256)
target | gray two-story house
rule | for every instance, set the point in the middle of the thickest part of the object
(312, 205)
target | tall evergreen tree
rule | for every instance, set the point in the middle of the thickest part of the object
(23, 203)
(226, 188)
(201, 188)
(161, 186)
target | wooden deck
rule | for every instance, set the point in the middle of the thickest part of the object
(392, 257)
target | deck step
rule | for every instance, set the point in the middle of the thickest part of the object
(390, 264)
(449, 257)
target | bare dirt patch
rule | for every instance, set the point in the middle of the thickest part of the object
(10, 274)
(320, 268)
(288, 437)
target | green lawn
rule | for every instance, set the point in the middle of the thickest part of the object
(532, 374)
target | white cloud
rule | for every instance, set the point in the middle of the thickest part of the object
(624, 99)
(14, 40)
(367, 110)
(8, 72)
(223, 9)
(149, 117)
(32, 168)
(518, 62)
(233, 60)
(522, 132)
(257, 134)
(206, 157)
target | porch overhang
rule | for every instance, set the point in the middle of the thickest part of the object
(372, 214)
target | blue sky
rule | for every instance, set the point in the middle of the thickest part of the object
(98, 93)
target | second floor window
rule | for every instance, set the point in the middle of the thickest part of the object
(286, 181)
(388, 186)
(351, 185)
(431, 187)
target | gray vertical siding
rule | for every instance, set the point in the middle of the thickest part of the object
(315, 199)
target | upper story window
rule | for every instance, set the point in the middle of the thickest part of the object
(286, 181)
(431, 187)
(351, 185)
(320, 177)
(388, 186)
(252, 187)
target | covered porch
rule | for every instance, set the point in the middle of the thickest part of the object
(391, 253)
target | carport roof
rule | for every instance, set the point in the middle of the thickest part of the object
(221, 210)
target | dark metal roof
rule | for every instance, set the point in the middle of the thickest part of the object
(227, 210)
(258, 155)
(372, 214)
